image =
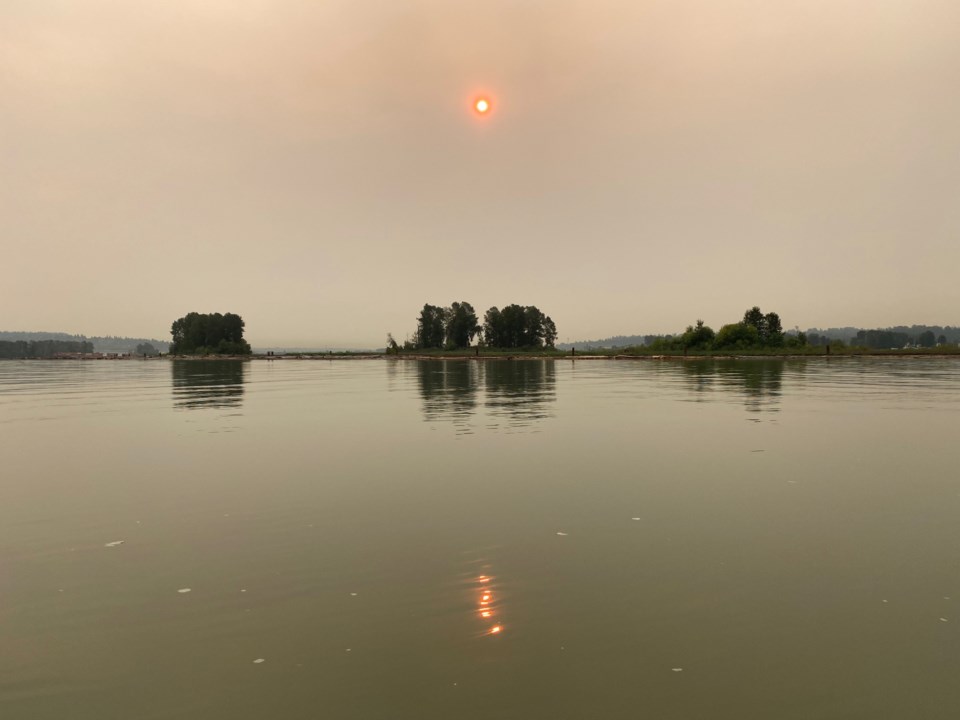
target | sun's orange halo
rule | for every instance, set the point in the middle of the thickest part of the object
(481, 105)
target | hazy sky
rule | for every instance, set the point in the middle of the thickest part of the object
(315, 166)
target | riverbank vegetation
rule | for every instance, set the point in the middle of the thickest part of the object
(756, 331)
(760, 333)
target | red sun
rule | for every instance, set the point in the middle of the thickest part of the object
(481, 105)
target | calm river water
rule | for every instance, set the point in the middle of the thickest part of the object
(374, 539)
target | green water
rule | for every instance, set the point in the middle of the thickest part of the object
(746, 539)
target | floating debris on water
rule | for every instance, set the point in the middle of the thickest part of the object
(353, 594)
(944, 620)
(183, 590)
(634, 518)
(884, 601)
(258, 661)
(677, 669)
(114, 543)
(562, 534)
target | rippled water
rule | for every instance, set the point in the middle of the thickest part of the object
(461, 539)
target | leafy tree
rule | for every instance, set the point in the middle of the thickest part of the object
(697, 338)
(739, 336)
(146, 349)
(461, 325)
(430, 328)
(755, 318)
(772, 335)
(926, 339)
(206, 334)
(549, 332)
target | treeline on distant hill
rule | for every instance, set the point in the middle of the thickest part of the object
(100, 344)
(454, 327)
(881, 338)
(128, 344)
(899, 336)
(24, 349)
(209, 334)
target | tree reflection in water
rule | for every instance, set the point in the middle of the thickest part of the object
(758, 380)
(448, 389)
(207, 383)
(520, 391)
(517, 391)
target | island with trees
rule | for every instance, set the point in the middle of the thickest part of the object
(454, 328)
(209, 334)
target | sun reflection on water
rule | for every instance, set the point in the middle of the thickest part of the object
(487, 608)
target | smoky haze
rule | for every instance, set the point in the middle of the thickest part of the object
(316, 167)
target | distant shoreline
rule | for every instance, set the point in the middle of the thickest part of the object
(519, 356)
(504, 355)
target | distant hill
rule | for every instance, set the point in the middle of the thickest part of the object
(100, 344)
(610, 342)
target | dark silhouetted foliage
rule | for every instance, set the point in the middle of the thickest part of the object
(518, 326)
(42, 348)
(209, 334)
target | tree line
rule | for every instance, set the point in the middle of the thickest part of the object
(209, 334)
(757, 330)
(455, 327)
(23, 349)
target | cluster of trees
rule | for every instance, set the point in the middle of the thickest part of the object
(455, 327)
(756, 331)
(209, 334)
(19, 349)
(518, 326)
